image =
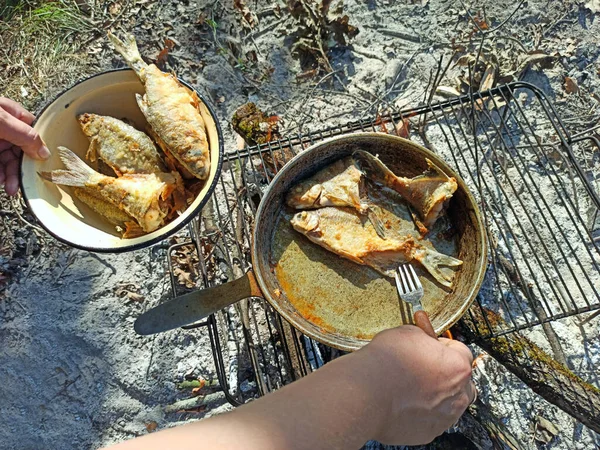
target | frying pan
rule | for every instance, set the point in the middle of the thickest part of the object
(335, 301)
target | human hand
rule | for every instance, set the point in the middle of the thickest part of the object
(427, 383)
(16, 135)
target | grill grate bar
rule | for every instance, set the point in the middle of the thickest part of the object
(501, 221)
(506, 225)
(563, 188)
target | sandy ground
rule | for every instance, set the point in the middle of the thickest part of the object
(73, 374)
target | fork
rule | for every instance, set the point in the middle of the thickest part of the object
(410, 290)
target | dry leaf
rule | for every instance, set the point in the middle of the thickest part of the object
(161, 59)
(184, 277)
(488, 78)
(249, 17)
(540, 58)
(151, 426)
(571, 85)
(129, 291)
(316, 30)
(447, 92)
(545, 430)
(481, 23)
(114, 8)
(403, 128)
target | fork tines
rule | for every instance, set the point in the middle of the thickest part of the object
(407, 280)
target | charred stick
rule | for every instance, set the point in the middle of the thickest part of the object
(551, 335)
(545, 376)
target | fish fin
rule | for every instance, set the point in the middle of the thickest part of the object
(195, 99)
(420, 226)
(433, 168)
(74, 162)
(77, 173)
(373, 215)
(129, 50)
(141, 101)
(432, 261)
(372, 167)
(132, 230)
(92, 153)
(64, 177)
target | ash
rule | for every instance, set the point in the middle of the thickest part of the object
(75, 375)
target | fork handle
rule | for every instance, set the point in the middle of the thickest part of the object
(422, 321)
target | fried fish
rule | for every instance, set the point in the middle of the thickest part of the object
(171, 110)
(94, 200)
(339, 184)
(122, 147)
(145, 197)
(122, 221)
(344, 232)
(428, 193)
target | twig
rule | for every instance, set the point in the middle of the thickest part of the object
(553, 24)
(70, 260)
(496, 28)
(501, 24)
(367, 54)
(400, 35)
(104, 263)
(406, 63)
(268, 28)
(25, 221)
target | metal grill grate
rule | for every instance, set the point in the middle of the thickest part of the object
(535, 188)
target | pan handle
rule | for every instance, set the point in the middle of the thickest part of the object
(422, 321)
(196, 305)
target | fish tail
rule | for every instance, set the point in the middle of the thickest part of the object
(432, 261)
(372, 167)
(373, 213)
(129, 50)
(435, 169)
(77, 173)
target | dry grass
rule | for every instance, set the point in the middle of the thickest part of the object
(43, 45)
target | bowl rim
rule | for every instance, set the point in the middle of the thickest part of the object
(157, 239)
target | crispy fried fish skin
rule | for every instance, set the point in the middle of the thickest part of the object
(125, 149)
(339, 184)
(171, 110)
(96, 202)
(142, 196)
(428, 193)
(345, 232)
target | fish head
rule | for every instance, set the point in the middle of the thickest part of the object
(300, 197)
(306, 221)
(88, 123)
